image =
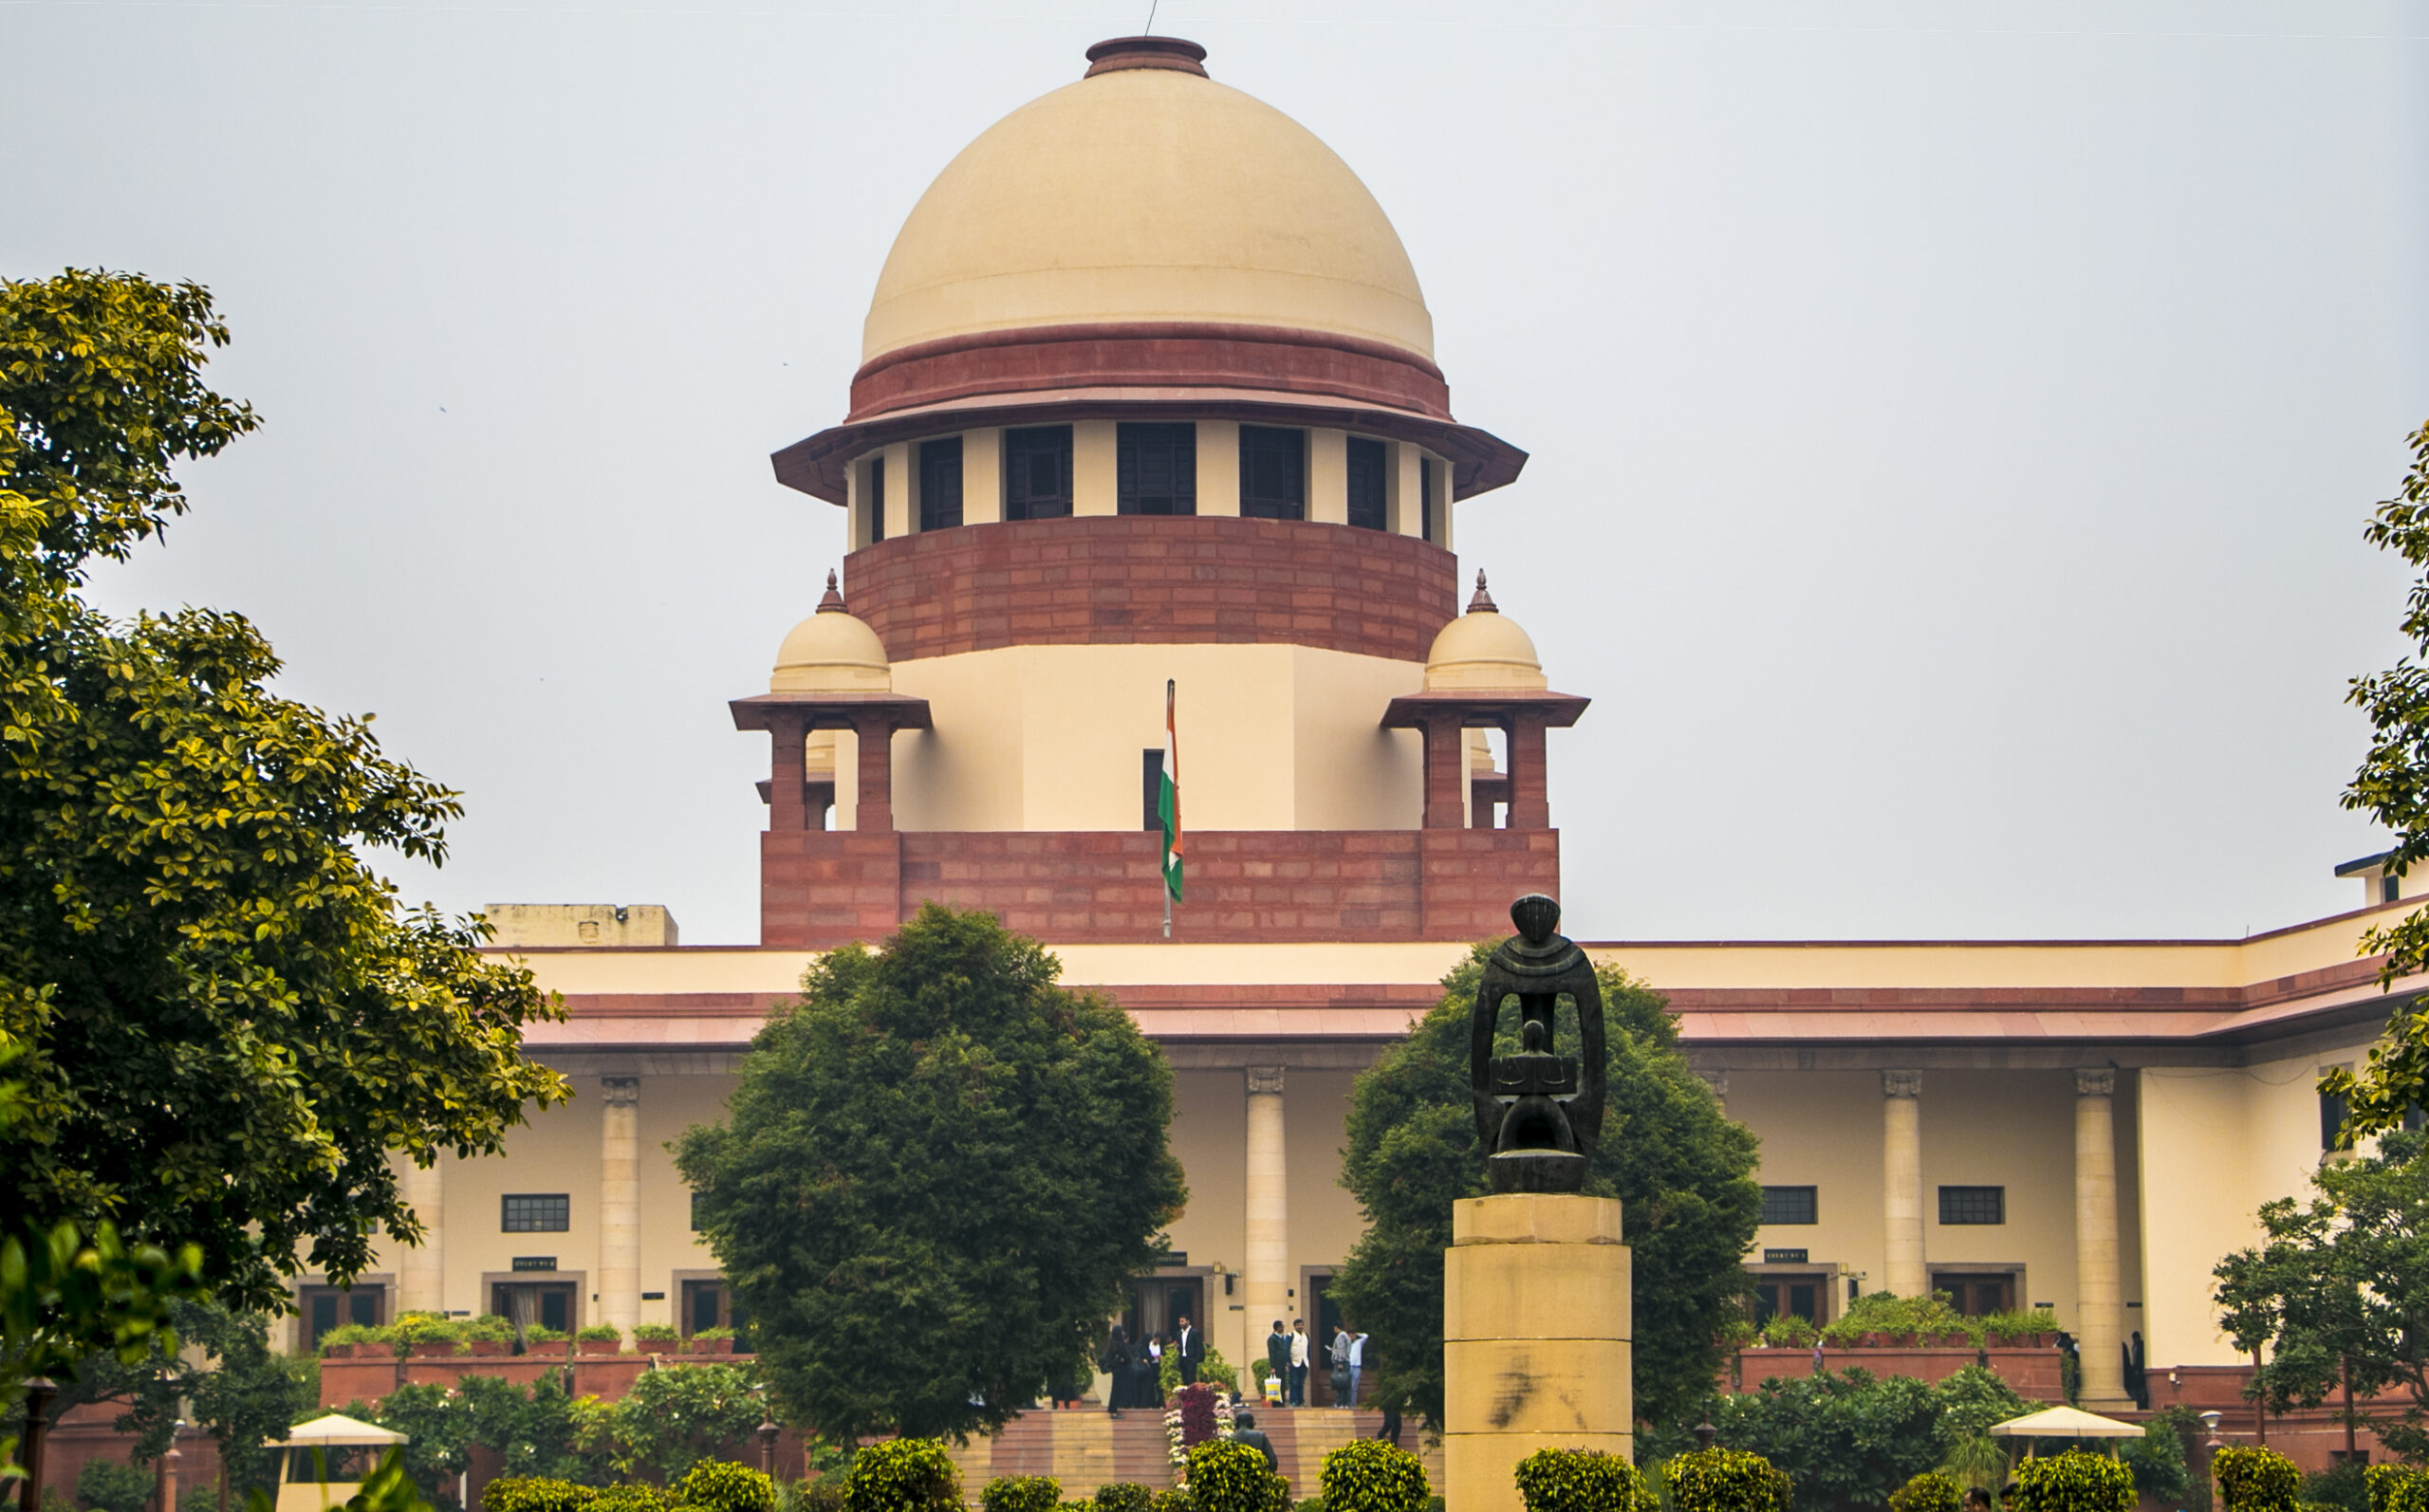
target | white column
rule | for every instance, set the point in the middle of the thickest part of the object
(1268, 1262)
(619, 1203)
(1901, 1173)
(422, 1272)
(2100, 1307)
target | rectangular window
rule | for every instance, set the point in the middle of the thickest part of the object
(940, 484)
(695, 1212)
(1367, 459)
(1789, 1204)
(325, 1307)
(1151, 788)
(1154, 468)
(2332, 1112)
(528, 1304)
(1975, 1293)
(1425, 500)
(1037, 473)
(1273, 473)
(1973, 1204)
(712, 1304)
(1796, 1296)
(535, 1213)
(877, 500)
(2390, 888)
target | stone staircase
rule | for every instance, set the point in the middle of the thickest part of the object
(1083, 1448)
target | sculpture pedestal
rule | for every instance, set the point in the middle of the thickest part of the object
(1535, 1326)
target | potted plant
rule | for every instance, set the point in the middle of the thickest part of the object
(598, 1339)
(488, 1335)
(345, 1341)
(429, 1335)
(541, 1339)
(710, 1342)
(651, 1338)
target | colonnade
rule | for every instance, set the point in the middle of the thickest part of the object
(2100, 1307)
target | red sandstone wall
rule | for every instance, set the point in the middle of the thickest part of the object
(822, 887)
(1125, 579)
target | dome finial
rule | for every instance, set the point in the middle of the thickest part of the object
(833, 602)
(1482, 603)
(1115, 54)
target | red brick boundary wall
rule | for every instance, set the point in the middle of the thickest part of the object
(1134, 579)
(822, 887)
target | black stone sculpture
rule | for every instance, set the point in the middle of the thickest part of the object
(1538, 1114)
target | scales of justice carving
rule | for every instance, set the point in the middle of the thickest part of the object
(1538, 1113)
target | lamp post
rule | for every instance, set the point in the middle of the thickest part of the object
(2210, 1454)
(165, 1488)
(38, 1394)
(768, 1431)
(1705, 1433)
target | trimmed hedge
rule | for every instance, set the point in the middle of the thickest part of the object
(629, 1498)
(1726, 1480)
(1368, 1475)
(1928, 1492)
(1129, 1496)
(2074, 1482)
(1172, 1500)
(532, 1493)
(1228, 1476)
(1021, 1493)
(901, 1475)
(1582, 1481)
(2397, 1489)
(717, 1486)
(2252, 1479)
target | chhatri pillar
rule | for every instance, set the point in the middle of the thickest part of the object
(1902, 1178)
(619, 1203)
(1536, 1311)
(2100, 1303)
(832, 674)
(1482, 673)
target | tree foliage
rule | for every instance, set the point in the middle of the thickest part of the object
(217, 1369)
(1684, 1173)
(227, 1025)
(939, 1169)
(2392, 785)
(2341, 1283)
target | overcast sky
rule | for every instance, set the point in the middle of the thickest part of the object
(1952, 424)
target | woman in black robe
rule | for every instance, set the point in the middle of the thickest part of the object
(1115, 1361)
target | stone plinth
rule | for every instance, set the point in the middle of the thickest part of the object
(1535, 1326)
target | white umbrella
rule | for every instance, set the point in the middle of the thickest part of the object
(333, 1430)
(2066, 1423)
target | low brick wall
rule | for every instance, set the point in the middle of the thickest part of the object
(824, 887)
(2032, 1373)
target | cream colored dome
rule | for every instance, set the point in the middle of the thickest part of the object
(831, 651)
(1146, 194)
(1483, 648)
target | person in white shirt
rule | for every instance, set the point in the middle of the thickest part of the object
(1298, 1362)
(1357, 1363)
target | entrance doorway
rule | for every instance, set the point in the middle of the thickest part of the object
(1158, 1304)
(1794, 1295)
(325, 1308)
(534, 1304)
(1975, 1293)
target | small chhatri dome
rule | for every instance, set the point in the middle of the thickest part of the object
(1147, 192)
(831, 651)
(1483, 650)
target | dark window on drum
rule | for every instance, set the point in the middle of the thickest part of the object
(1273, 473)
(877, 500)
(940, 484)
(1155, 467)
(1425, 500)
(1367, 462)
(1037, 473)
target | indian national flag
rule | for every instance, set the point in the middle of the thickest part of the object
(1168, 801)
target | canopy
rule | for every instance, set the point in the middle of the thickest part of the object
(334, 1430)
(2066, 1423)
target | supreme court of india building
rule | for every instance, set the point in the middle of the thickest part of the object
(1148, 393)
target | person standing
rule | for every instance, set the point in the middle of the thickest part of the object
(1357, 1363)
(1115, 1362)
(1337, 1358)
(1277, 1361)
(1298, 1362)
(1189, 1348)
(1150, 1370)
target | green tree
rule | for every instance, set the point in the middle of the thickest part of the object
(2338, 1292)
(217, 1369)
(2392, 785)
(939, 1169)
(1684, 1173)
(227, 1025)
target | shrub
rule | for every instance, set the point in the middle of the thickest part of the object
(356, 1334)
(630, 1498)
(902, 1475)
(2396, 1488)
(1021, 1493)
(1368, 1475)
(543, 1334)
(826, 1494)
(530, 1493)
(2256, 1480)
(599, 1333)
(488, 1329)
(654, 1333)
(1129, 1496)
(1787, 1331)
(427, 1328)
(1173, 1499)
(1582, 1481)
(713, 1332)
(2073, 1481)
(1896, 1316)
(718, 1486)
(2022, 1323)
(1227, 1476)
(1928, 1492)
(2157, 1459)
(1726, 1480)
(110, 1486)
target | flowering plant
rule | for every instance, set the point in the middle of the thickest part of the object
(1199, 1412)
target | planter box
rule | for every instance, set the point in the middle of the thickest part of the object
(657, 1346)
(708, 1346)
(339, 1351)
(488, 1348)
(438, 1350)
(598, 1346)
